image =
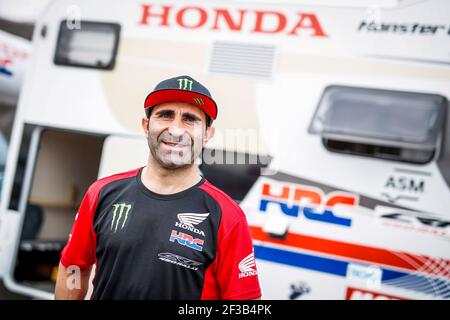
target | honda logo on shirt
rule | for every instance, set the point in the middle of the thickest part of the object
(248, 266)
(189, 220)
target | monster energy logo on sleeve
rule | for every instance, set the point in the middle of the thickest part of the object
(120, 215)
(185, 84)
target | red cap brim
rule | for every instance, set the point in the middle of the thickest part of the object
(199, 100)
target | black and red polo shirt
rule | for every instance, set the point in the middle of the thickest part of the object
(194, 244)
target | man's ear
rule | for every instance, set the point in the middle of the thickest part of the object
(209, 134)
(144, 123)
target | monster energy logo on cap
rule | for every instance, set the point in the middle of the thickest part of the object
(199, 101)
(185, 84)
(120, 215)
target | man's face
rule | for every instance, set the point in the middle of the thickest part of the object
(176, 133)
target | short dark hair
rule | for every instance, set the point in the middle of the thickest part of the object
(148, 113)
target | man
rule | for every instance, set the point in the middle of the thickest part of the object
(163, 231)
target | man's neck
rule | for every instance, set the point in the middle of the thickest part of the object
(169, 181)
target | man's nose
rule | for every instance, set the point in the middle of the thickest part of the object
(176, 127)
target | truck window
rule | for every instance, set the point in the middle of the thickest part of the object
(392, 125)
(89, 45)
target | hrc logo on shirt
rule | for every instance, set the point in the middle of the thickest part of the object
(186, 240)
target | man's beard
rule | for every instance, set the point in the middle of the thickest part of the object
(169, 158)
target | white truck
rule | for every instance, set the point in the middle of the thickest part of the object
(336, 117)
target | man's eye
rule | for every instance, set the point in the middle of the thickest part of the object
(190, 119)
(165, 115)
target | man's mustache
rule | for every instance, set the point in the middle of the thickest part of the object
(184, 140)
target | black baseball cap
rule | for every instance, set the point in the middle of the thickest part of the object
(182, 89)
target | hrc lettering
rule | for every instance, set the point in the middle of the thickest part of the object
(186, 240)
(308, 200)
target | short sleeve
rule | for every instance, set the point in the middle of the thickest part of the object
(80, 248)
(236, 271)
